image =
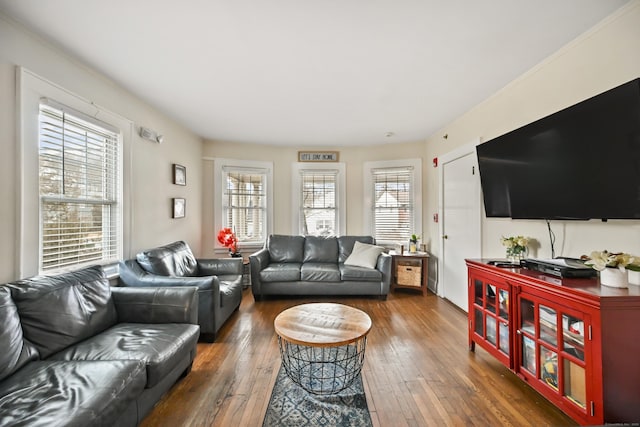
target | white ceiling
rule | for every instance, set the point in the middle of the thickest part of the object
(312, 73)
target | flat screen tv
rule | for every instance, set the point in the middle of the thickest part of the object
(580, 163)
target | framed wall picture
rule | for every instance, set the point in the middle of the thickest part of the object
(318, 156)
(179, 207)
(179, 174)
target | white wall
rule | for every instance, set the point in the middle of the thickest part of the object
(150, 179)
(602, 58)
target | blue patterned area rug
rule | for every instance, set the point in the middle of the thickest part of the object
(290, 405)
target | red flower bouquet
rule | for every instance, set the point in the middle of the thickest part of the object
(228, 239)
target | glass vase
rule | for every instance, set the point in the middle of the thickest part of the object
(516, 254)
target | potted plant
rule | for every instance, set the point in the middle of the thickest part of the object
(613, 267)
(516, 247)
(413, 244)
(228, 239)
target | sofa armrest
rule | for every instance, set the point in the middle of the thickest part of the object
(131, 274)
(220, 267)
(258, 261)
(156, 305)
(384, 266)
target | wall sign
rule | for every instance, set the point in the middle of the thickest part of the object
(317, 156)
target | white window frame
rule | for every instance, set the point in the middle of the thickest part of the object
(369, 194)
(31, 90)
(341, 193)
(220, 165)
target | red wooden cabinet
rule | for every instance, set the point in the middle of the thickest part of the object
(577, 343)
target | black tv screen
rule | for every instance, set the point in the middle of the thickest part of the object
(582, 162)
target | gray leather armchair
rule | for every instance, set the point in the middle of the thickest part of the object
(219, 281)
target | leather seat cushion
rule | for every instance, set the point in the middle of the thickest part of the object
(355, 273)
(174, 259)
(86, 393)
(59, 311)
(160, 346)
(281, 272)
(320, 272)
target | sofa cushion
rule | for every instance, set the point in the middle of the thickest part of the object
(320, 272)
(360, 274)
(15, 351)
(281, 272)
(320, 249)
(364, 255)
(174, 259)
(47, 393)
(285, 248)
(58, 311)
(345, 245)
(160, 346)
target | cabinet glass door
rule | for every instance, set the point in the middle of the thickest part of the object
(491, 316)
(574, 363)
(552, 349)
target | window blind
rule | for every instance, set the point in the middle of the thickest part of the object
(245, 203)
(79, 190)
(393, 210)
(318, 210)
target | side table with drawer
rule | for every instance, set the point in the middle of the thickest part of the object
(410, 271)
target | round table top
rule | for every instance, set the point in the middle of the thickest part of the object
(322, 324)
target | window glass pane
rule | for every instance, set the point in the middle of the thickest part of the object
(318, 207)
(79, 188)
(393, 209)
(245, 204)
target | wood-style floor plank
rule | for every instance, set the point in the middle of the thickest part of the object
(418, 371)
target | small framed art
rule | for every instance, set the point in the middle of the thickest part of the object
(179, 207)
(179, 174)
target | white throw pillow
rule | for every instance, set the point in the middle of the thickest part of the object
(364, 255)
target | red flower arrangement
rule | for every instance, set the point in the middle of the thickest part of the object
(228, 239)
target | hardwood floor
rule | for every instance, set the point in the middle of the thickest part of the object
(418, 371)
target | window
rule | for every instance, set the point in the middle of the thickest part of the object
(242, 199)
(244, 204)
(71, 161)
(318, 199)
(393, 200)
(318, 208)
(79, 182)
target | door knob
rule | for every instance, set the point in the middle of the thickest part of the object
(445, 237)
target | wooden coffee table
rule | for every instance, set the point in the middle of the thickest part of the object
(322, 345)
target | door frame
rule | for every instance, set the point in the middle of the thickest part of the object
(469, 148)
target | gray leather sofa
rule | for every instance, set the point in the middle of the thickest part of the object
(310, 265)
(219, 281)
(76, 352)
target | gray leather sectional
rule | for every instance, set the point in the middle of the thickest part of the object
(219, 281)
(77, 352)
(311, 265)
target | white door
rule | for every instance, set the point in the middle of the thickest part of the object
(461, 219)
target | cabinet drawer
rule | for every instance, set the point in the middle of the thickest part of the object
(409, 275)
